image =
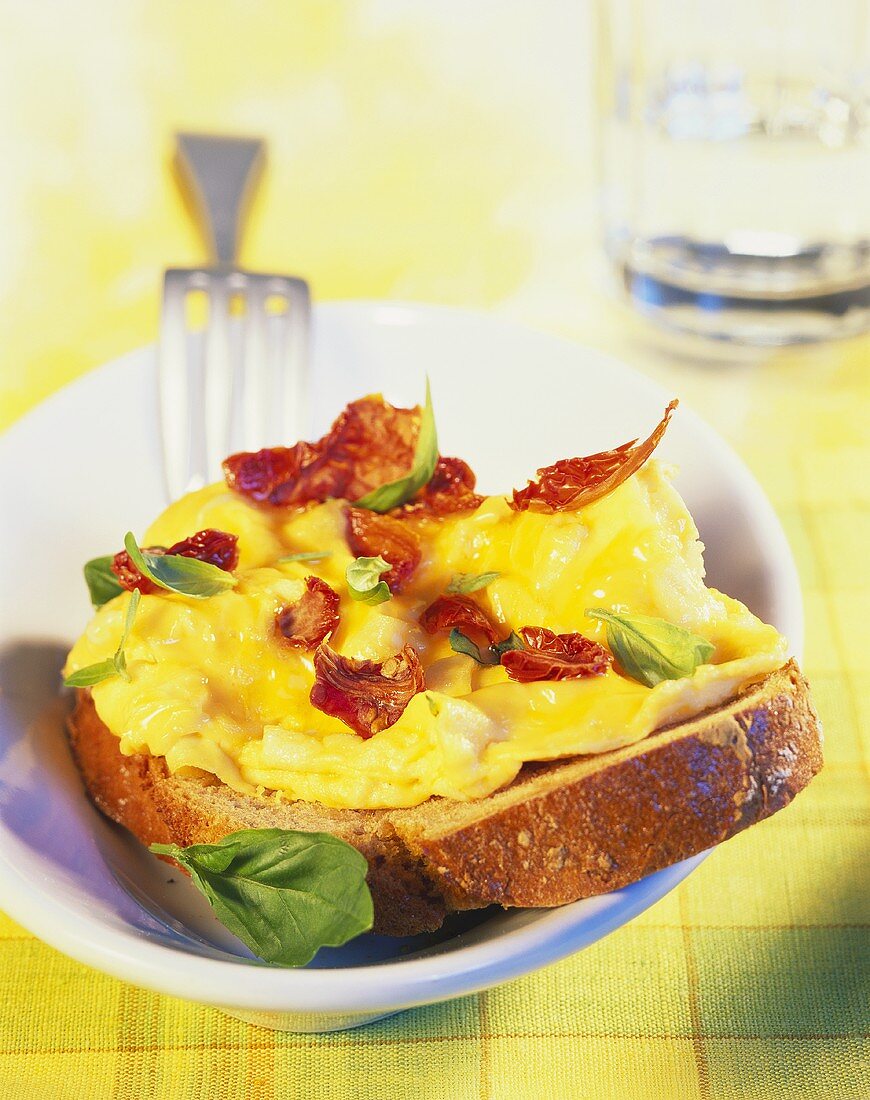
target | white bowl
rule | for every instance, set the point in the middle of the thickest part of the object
(84, 467)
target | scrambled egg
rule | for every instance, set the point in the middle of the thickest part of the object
(212, 688)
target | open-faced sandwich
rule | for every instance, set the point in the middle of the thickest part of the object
(518, 700)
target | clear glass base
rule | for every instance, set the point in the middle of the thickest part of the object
(801, 295)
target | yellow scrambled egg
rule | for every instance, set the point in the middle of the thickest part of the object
(212, 688)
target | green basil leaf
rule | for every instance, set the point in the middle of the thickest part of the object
(651, 650)
(92, 674)
(460, 643)
(175, 573)
(120, 658)
(283, 893)
(112, 666)
(512, 641)
(463, 583)
(398, 492)
(363, 580)
(102, 583)
(307, 555)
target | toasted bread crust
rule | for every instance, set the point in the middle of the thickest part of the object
(561, 831)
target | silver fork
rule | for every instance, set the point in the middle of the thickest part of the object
(241, 383)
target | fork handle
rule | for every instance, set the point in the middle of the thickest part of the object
(221, 173)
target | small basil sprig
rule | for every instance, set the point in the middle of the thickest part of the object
(112, 666)
(307, 555)
(398, 492)
(176, 573)
(651, 650)
(102, 583)
(363, 580)
(460, 643)
(512, 641)
(463, 583)
(283, 893)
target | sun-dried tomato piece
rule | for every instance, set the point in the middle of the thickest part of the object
(373, 443)
(368, 696)
(550, 656)
(450, 489)
(215, 547)
(261, 474)
(462, 612)
(129, 576)
(575, 482)
(370, 444)
(370, 534)
(306, 623)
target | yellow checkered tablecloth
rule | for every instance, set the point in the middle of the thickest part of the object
(749, 982)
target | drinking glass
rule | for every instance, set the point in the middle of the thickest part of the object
(735, 163)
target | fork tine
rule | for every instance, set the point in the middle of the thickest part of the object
(254, 387)
(210, 394)
(293, 363)
(173, 383)
(218, 396)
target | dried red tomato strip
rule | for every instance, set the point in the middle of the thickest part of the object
(261, 475)
(129, 576)
(215, 547)
(307, 622)
(463, 613)
(550, 656)
(368, 696)
(369, 444)
(575, 482)
(450, 489)
(370, 534)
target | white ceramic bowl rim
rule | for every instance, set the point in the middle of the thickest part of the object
(401, 983)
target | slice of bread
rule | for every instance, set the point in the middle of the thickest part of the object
(561, 831)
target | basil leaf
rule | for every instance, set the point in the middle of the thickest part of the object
(512, 641)
(112, 666)
(283, 893)
(307, 555)
(363, 580)
(119, 658)
(92, 674)
(651, 650)
(395, 493)
(463, 583)
(175, 573)
(460, 643)
(102, 583)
